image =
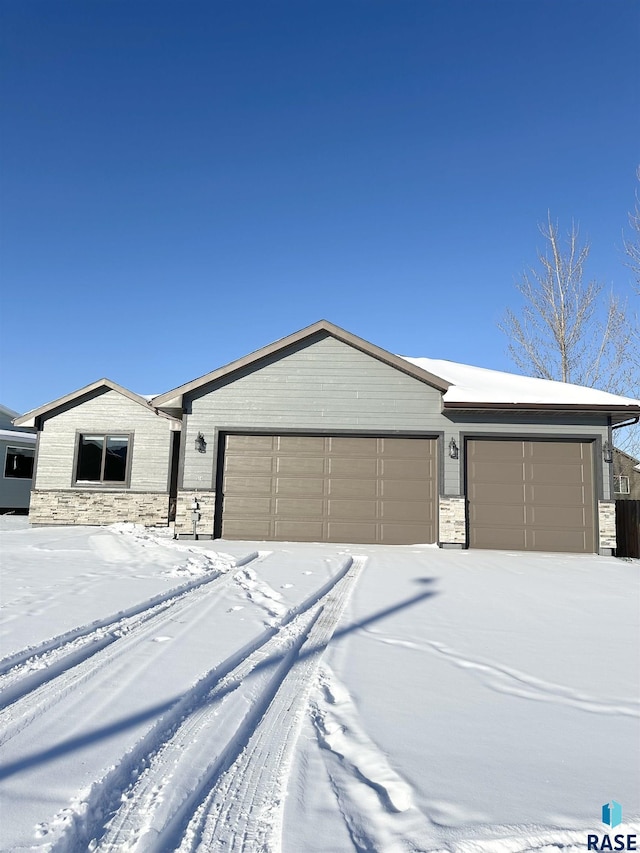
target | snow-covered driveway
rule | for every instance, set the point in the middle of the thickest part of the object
(161, 696)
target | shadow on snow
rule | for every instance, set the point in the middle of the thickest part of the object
(223, 669)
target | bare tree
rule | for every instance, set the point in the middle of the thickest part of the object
(632, 245)
(629, 439)
(568, 329)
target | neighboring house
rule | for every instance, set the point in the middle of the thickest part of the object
(17, 451)
(626, 476)
(323, 436)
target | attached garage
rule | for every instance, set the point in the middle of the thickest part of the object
(531, 495)
(306, 488)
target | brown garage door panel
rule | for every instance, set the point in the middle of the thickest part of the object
(299, 509)
(248, 485)
(248, 507)
(294, 531)
(352, 510)
(299, 487)
(360, 532)
(558, 452)
(499, 471)
(511, 515)
(407, 469)
(360, 468)
(503, 539)
(496, 493)
(331, 489)
(356, 489)
(251, 465)
(559, 540)
(495, 451)
(531, 495)
(299, 444)
(300, 466)
(352, 446)
(559, 496)
(416, 511)
(402, 448)
(250, 443)
(571, 518)
(402, 534)
(248, 529)
(555, 474)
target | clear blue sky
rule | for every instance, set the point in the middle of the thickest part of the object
(184, 182)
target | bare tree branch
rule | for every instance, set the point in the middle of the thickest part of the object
(632, 245)
(567, 330)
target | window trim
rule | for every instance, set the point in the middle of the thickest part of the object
(101, 485)
(620, 490)
(18, 447)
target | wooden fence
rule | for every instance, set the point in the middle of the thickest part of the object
(628, 528)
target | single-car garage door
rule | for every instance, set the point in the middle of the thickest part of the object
(329, 489)
(530, 495)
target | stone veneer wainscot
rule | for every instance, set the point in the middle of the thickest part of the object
(78, 506)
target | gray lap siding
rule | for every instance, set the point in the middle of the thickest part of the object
(108, 412)
(327, 386)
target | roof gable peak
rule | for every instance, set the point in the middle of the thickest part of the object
(29, 418)
(174, 397)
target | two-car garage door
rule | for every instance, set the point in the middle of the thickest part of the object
(329, 489)
(531, 495)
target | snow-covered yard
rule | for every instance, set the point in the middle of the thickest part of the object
(161, 696)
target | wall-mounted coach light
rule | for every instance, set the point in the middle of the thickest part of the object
(201, 444)
(453, 449)
(607, 452)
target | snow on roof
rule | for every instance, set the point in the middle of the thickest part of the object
(480, 385)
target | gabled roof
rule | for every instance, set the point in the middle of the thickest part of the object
(174, 398)
(29, 418)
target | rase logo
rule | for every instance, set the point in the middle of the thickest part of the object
(612, 816)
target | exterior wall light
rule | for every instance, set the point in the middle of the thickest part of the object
(201, 444)
(607, 452)
(453, 449)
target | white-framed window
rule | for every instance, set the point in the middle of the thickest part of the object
(620, 484)
(18, 463)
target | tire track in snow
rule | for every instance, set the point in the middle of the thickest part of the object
(504, 679)
(153, 803)
(16, 663)
(34, 693)
(135, 794)
(242, 810)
